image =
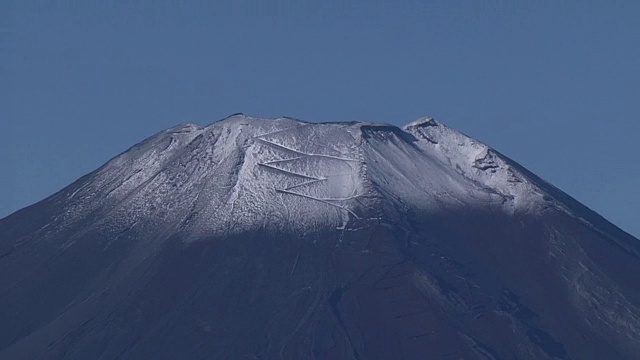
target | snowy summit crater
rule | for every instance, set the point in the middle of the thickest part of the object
(244, 173)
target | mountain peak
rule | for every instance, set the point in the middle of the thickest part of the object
(246, 172)
(278, 238)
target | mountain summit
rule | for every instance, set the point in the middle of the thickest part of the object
(277, 238)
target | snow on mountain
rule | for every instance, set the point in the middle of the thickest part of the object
(242, 173)
(272, 238)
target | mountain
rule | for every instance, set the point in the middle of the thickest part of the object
(277, 238)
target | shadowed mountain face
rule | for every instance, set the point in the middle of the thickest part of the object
(276, 238)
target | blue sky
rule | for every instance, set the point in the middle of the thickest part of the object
(554, 85)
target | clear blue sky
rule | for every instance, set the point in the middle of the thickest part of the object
(555, 85)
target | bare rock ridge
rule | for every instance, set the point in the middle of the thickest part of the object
(279, 238)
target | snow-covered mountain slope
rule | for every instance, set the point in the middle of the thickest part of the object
(243, 172)
(282, 238)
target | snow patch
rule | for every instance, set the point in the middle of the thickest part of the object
(244, 173)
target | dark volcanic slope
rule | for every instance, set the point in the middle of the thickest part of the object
(275, 238)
